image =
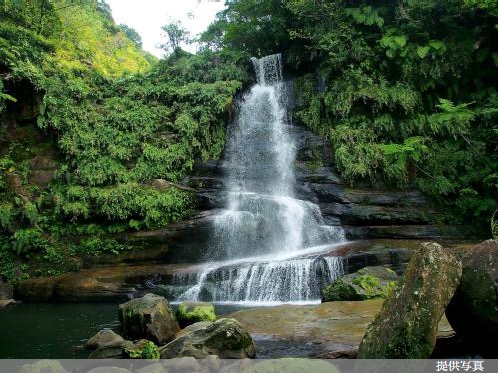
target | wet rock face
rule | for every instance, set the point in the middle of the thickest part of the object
(367, 283)
(406, 326)
(149, 317)
(226, 338)
(473, 311)
(364, 211)
(6, 291)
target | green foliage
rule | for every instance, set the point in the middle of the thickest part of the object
(175, 34)
(256, 27)
(148, 351)
(405, 92)
(366, 15)
(132, 34)
(113, 132)
(95, 245)
(29, 240)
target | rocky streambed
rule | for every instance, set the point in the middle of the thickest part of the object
(125, 276)
(330, 330)
(327, 330)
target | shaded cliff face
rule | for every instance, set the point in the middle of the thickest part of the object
(32, 149)
(364, 211)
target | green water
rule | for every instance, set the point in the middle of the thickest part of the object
(33, 331)
(58, 330)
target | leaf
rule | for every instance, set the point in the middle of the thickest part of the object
(436, 44)
(5, 96)
(400, 40)
(422, 51)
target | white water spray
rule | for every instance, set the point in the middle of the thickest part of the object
(262, 216)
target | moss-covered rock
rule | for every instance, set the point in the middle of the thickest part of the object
(473, 311)
(149, 317)
(226, 338)
(143, 349)
(367, 283)
(406, 326)
(191, 312)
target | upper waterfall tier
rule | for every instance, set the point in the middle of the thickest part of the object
(262, 216)
(268, 69)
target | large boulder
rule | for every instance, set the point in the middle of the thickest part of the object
(102, 338)
(473, 311)
(406, 326)
(191, 312)
(367, 283)
(226, 338)
(149, 317)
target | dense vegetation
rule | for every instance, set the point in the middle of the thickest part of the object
(118, 128)
(405, 92)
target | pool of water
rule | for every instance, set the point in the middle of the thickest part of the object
(33, 331)
(60, 330)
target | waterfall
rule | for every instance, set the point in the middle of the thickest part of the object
(262, 217)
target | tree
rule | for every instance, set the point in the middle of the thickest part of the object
(176, 34)
(132, 34)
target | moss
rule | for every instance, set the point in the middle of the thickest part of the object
(143, 350)
(337, 291)
(190, 313)
(367, 283)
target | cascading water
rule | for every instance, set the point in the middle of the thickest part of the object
(264, 244)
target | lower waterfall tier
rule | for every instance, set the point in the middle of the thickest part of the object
(261, 280)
